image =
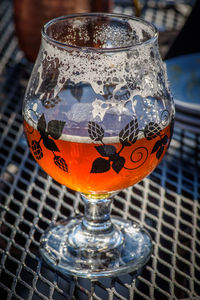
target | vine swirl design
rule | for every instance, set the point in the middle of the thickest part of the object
(143, 153)
(111, 159)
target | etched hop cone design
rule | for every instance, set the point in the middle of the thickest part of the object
(37, 150)
(129, 134)
(151, 131)
(60, 163)
(96, 132)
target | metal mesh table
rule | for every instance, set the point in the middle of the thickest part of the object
(167, 204)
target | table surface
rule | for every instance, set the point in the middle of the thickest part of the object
(167, 204)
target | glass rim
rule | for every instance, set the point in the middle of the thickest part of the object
(100, 14)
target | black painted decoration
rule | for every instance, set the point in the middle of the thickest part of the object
(54, 129)
(111, 159)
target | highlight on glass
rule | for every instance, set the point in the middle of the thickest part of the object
(98, 117)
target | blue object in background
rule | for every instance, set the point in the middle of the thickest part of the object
(184, 77)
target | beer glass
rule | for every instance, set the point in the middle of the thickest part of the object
(98, 117)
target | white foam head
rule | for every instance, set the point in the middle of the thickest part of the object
(122, 68)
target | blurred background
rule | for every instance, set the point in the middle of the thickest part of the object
(26, 17)
(167, 203)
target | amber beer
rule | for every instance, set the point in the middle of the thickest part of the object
(81, 165)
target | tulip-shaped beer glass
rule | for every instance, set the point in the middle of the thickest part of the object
(98, 118)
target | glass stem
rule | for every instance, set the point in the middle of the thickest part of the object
(95, 233)
(97, 215)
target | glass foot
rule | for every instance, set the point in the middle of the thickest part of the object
(73, 251)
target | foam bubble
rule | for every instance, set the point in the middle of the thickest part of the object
(109, 88)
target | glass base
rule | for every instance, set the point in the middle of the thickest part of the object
(67, 248)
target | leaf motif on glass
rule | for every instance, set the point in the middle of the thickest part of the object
(156, 146)
(106, 150)
(50, 144)
(100, 165)
(76, 91)
(164, 140)
(118, 164)
(41, 126)
(55, 128)
(160, 152)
